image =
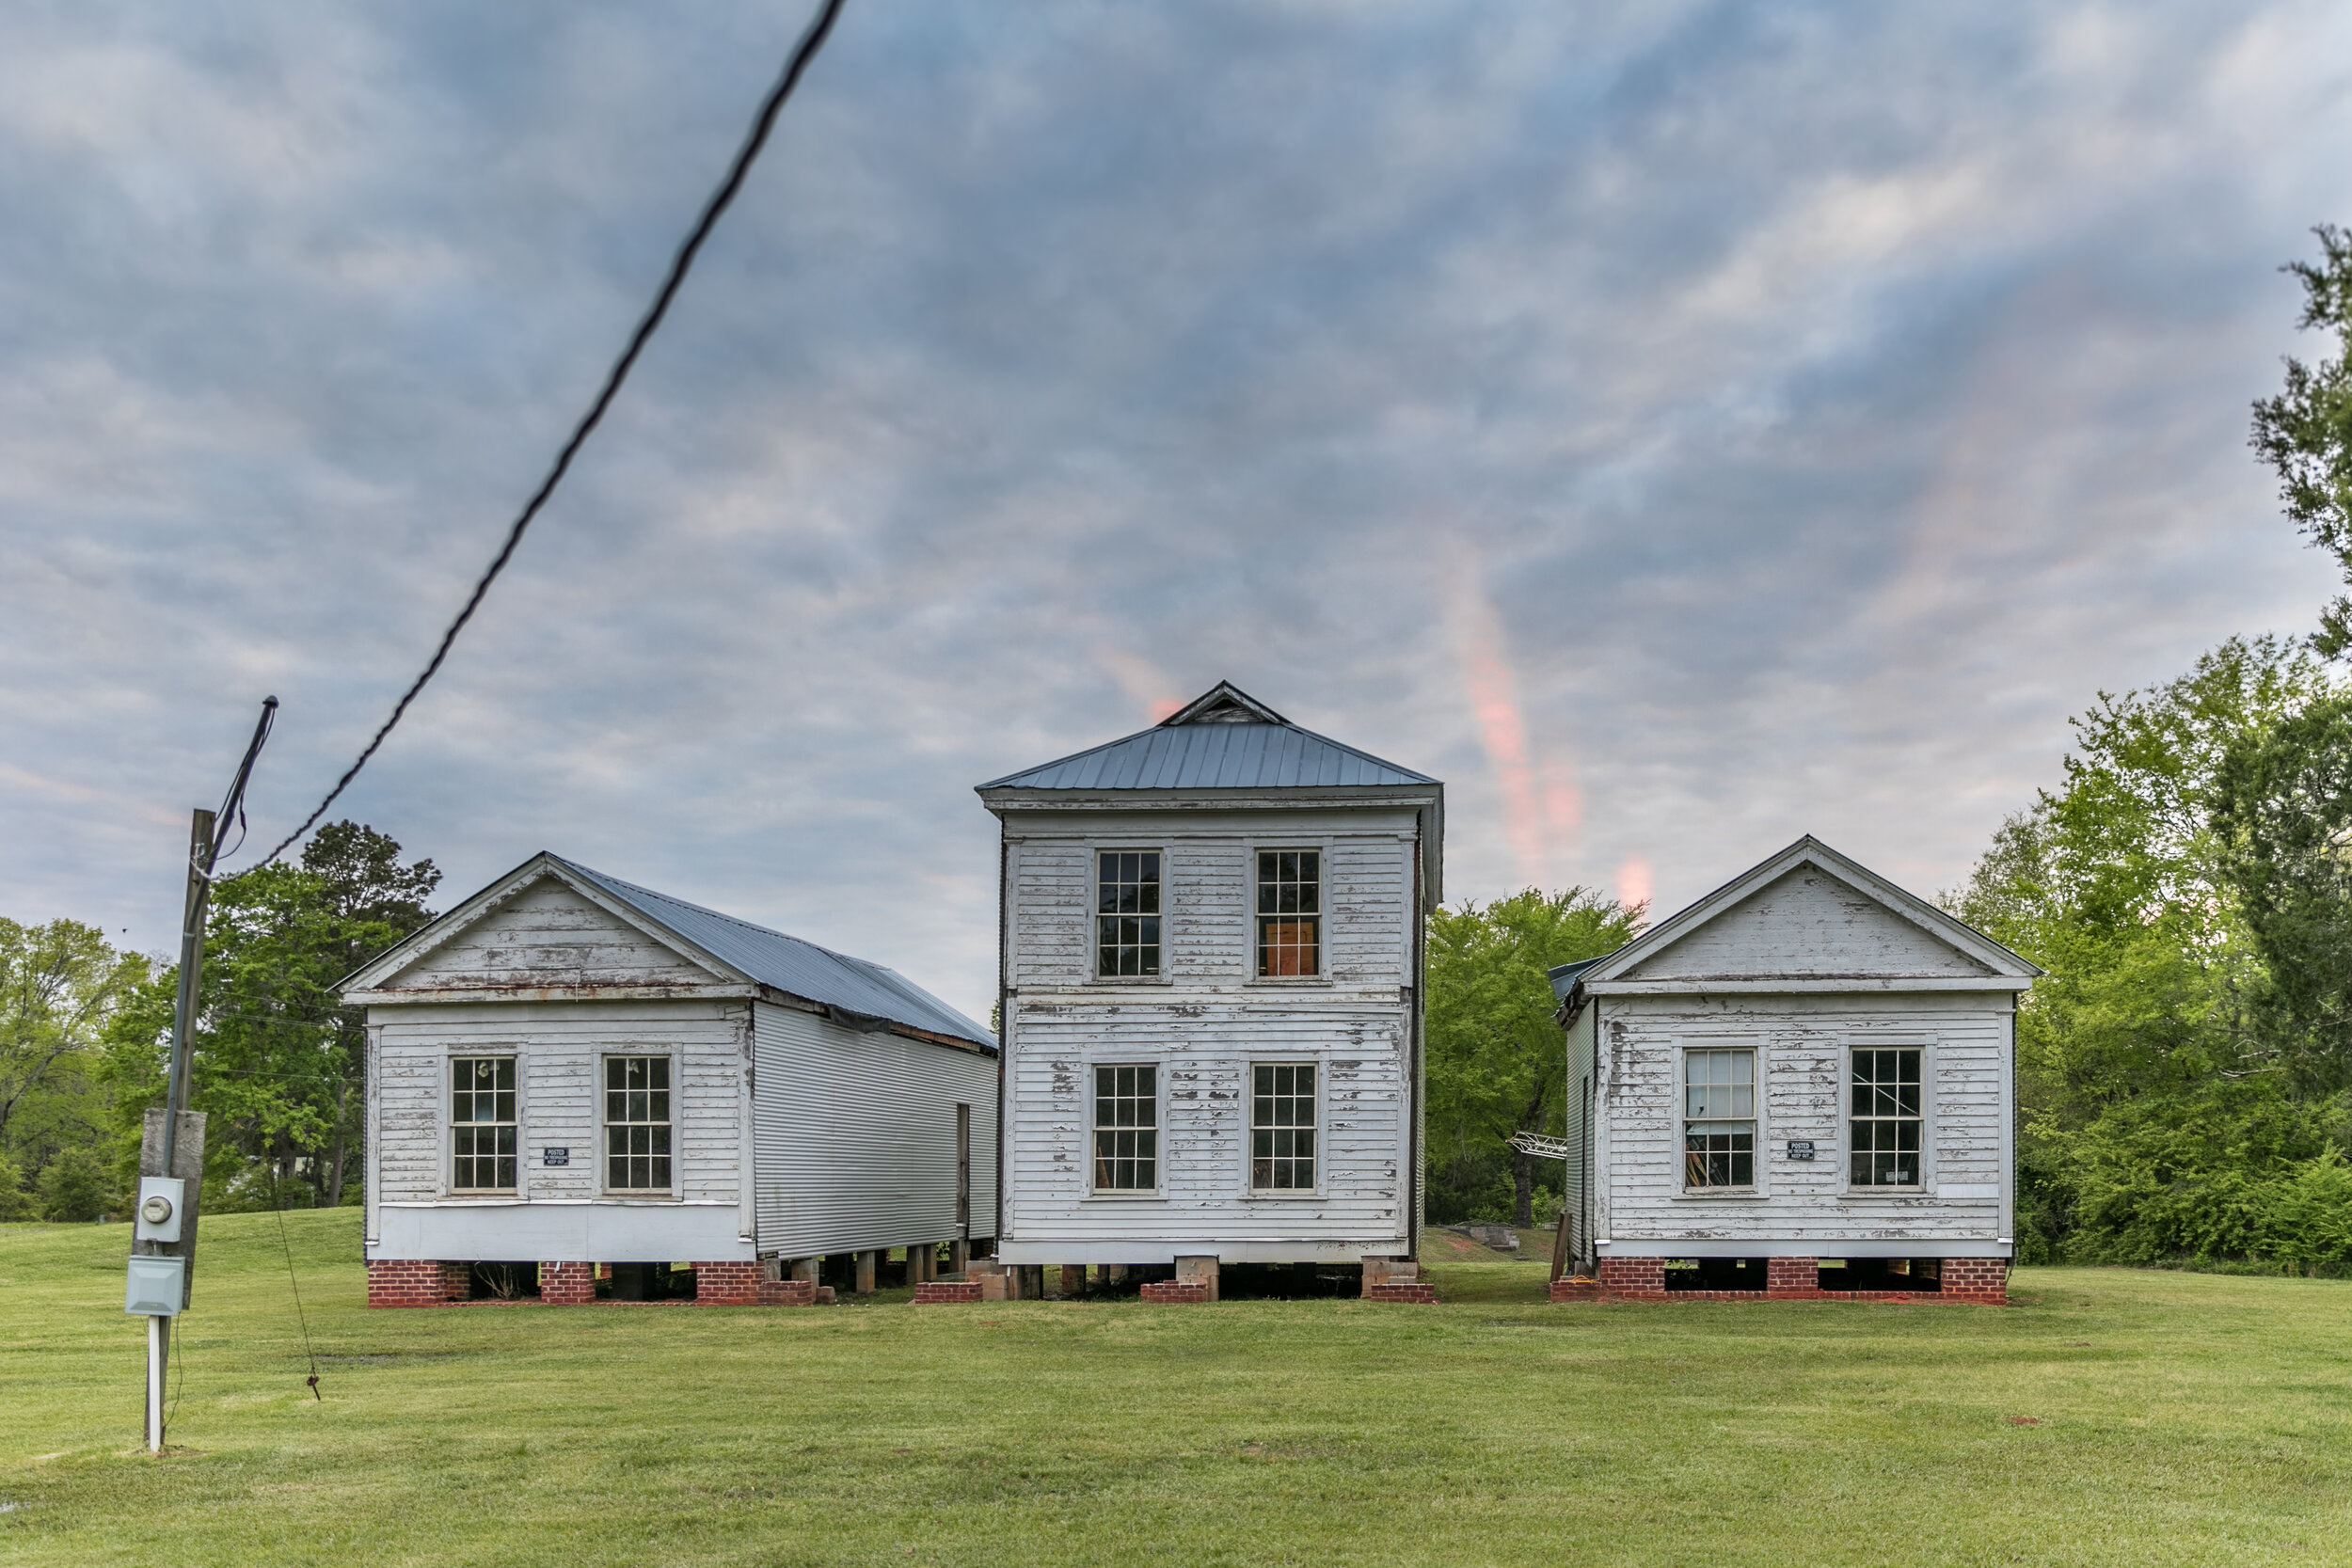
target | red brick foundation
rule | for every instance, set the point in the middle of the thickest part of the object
(941, 1292)
(406, 1282)
(456, 1281)
(1176, 1291)
(788, 1292)
(1974, 1281)
(1418, 1291)
(1577, 1289)
(727, 1284)
(1633, 1276)
(567, 1284)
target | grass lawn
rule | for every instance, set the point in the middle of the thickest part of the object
(2182, 1418)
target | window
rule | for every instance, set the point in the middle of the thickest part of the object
(1126, 1130)
(1282, 1128)
(1718, 1120)
(1884, 1148)
(481, 1123)
(1127, 912)
(1290, 912)
(637, 1124)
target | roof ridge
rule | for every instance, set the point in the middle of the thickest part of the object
(608, 878)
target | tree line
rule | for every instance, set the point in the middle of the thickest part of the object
(278, 1064)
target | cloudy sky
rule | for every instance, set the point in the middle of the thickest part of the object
(1678, 427)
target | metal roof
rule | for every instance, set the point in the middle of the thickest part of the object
(1202, 746)
(788, 964)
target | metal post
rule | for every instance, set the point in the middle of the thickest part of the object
(158, 1355)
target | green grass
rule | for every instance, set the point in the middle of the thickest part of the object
(2183, 1418)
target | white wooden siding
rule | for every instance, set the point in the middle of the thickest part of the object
(1806, 924)
(1204, 1023)
(856, 1136)
(559, 1049)
(549, 936)
(1801, 1045)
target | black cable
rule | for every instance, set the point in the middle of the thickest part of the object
(811, 41)
(279, 1191)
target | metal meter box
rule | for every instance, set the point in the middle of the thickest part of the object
(161, 1198)
(157, 1286)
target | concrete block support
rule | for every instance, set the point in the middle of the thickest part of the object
(865, 1272)
(1200, 1271)
(1073, 1281)
(958, 1256)
(996, 1281)
(1379, 1272)
(808, 1268)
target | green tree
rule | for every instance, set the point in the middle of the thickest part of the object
(75, 1187)
(1497, 1062)
(60, 986)
(278, 1058)
(15, 1202)
(2284, 814)
(2140, 1062)
(2305, 433)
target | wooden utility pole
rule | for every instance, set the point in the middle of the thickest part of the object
(171, 1156)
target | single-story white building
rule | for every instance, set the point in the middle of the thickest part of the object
(590, 1082)
(1802, 1084)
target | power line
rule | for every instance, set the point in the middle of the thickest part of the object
(811, 41)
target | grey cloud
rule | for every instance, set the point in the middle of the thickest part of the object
(1827, 399)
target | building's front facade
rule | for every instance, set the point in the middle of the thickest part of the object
(1802, 1084)
(1212, 997)
(569, 1074)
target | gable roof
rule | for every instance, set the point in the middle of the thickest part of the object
(1983, 963)
(859, 991)
(1222, 740)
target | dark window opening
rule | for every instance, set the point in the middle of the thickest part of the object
(1126, 1130)
(1127, 912)
(1884, 1148)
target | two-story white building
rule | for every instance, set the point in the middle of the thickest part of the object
(1211, 1001)
(1802, 1084)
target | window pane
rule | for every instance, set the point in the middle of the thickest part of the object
(1127, 910)
(1281, 1121)
(481, 1123)
(1126, 1145)
(1884, 1131)
(1719, 1101)
(636, 1123)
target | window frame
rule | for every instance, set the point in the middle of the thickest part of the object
(1925, 1186)
(1159, 1128)
(1248, 1097)
(1095, 849)
(445, 1090)
(1759, 1141)
(678, 1156)
(1320, 846)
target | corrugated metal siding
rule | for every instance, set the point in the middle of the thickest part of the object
(854, 1137)
(789, 964)
(1215, 756)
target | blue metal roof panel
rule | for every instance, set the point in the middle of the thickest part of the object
(1215, 756)
(788, 964)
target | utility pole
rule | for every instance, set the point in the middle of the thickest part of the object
(171, 1168)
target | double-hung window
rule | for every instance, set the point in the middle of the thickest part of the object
(1126, 1129)
(481, 1123)
(1718, 1120)
(1884, 1145)
(1282, 1127)
(1290, 912)
(1126, 912)
(637, 1124)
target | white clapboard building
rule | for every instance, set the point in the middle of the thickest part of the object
(1805, 1081)
(586, 1082)
(1212, 1002)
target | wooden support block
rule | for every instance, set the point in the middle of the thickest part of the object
(1032, 1277)
(1114, 1274)
(959, 1255)
(866, 1262)
(1073, 1281)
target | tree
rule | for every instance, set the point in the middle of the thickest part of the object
(2285, 815)
(2140, 1053)
(60, 983)
(1497, 1062)
(277, 1057)
(2305, 433)
(74, 1187)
